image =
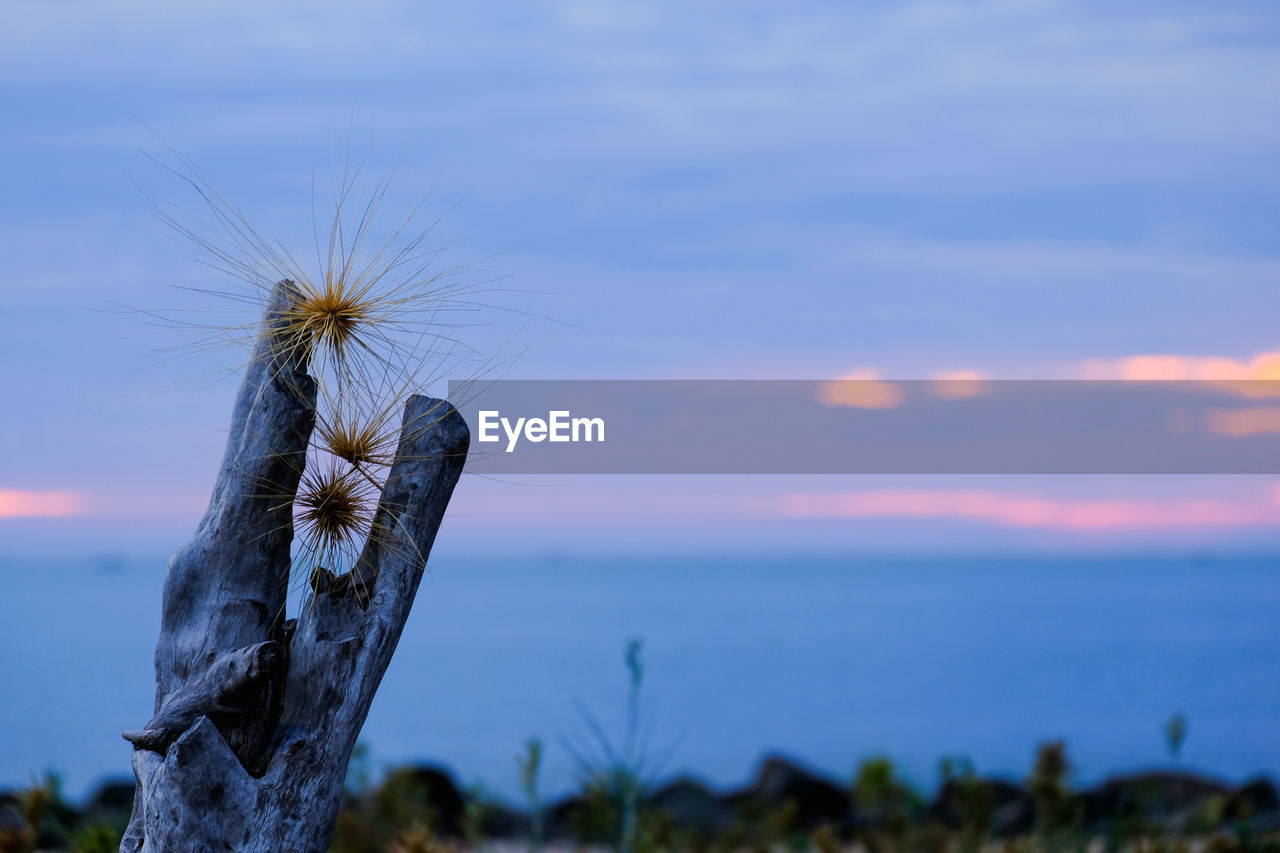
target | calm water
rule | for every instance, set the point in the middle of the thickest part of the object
(829, 660)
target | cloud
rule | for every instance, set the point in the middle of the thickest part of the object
(863, 389)
(17, 503)
(748, 146)
(905, 95)
(1257, 377)
(860, 389)
(1261, 367)
(1245, 375)
(1031, 511)
(958, 384)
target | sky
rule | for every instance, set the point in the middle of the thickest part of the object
(810, 190)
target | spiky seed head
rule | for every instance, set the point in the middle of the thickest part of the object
(333, 510)
(367, 319)
(329, 320)
(363, 436)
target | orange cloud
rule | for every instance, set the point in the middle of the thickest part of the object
(860, 389)
(15, 503)
(1254, 378)
(1011, 510)
(958, 384)
(1264, 366)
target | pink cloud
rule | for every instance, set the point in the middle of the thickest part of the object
(860, 390)
(1253, 378)
(958, 384)
(17, 503)
(1236, 373)
(1013, 510)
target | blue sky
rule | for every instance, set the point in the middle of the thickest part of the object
(753, 190)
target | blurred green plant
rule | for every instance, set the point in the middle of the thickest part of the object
(40, 818)
(475, 819)
(971, 797)
(1050, 790)
(778, 830)
(394, 812)
(614, 778)
(884, 799)
(824, 839)
(529, 763)
(418, 838)
(97, 838)
(401, 800)
(1175, 732)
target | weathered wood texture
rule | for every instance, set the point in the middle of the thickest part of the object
(256, 717)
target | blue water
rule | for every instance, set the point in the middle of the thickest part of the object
(826, 659)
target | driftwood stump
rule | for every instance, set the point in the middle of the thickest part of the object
(256, 715)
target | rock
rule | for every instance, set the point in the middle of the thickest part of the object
(498, 820)
(690, 805)
(1013, 811)
(816, 801)
(1263, 824)
(1156, 796)
(583, 817)
(441, 797)
(113, 797)
(13, 825)
(1253, 799)
(561, 817)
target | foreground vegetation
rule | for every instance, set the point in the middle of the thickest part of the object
(785, 807)
(621, 806)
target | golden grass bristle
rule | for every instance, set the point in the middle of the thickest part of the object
(367, 442)
(370, 319)
(368, 309)
(333, 511)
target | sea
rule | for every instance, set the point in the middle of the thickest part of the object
(827, 660)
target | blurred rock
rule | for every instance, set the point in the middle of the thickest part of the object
(1013, 811)
(692, 806)
(441, 797)
(1156, 797)
(111, 798)
(816, 801)
(1253, 799)
(13, 825)
(497, 820)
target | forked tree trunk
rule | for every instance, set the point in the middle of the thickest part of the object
(256, 716)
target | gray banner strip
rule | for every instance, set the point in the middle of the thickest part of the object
(871, 426)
